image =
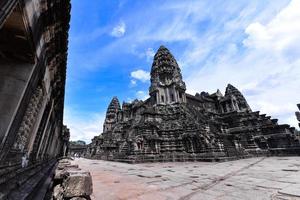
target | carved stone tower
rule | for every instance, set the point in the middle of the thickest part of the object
(237, 100)
(167, 86)
(111, 115)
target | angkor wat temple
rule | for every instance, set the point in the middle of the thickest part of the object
(173, 125)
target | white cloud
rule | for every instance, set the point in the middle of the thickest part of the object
(132, 83)
(142, 95)
(253, 45)
(140, 75)
(150, 54)
(83, 126)
(266, 69)
(281, 33)
(119, 30)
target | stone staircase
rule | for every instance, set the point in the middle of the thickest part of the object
(170, 143)
(124, 148)
(32, 182)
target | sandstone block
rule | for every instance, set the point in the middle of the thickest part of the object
(78, 184)
(63, 165)
(58, 193)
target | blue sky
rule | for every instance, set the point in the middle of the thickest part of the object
(253, 45)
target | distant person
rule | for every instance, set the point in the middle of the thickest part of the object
(24, 160)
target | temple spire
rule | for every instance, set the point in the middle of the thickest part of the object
(167, 85)
(242, 102)
(111, 115)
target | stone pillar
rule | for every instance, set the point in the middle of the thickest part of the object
(227, 107)
(174, 92)
(167, 99)
(44, 144)
(44, 132)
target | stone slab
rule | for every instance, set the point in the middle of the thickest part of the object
(293, 190)
(253, 178)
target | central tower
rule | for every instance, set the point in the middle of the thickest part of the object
(167, 86)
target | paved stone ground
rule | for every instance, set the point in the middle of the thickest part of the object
(254, 178)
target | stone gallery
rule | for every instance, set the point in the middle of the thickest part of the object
(173, 125)
(33, 59)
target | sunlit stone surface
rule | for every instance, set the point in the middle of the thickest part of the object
(253, 178)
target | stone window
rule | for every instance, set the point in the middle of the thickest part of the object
(153, 99)
(162, 98)
(172, 97)
(224, 108)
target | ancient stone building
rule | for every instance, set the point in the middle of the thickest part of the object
(33, 55)
(173, 125)
(298, 114)
(77, 148)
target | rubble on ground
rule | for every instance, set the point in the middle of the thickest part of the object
(71, 182)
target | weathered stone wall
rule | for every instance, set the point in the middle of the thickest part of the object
(33, 56)
(33, 79)
(13, 80)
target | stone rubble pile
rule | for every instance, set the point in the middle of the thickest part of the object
(70, 182)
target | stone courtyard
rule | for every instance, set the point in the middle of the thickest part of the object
(253, 178)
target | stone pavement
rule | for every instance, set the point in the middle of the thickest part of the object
(254, 178)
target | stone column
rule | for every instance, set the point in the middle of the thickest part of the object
(227, 107)
(232, 105)
(45, 133)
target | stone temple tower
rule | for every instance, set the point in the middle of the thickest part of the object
(238, 102)
(111, 115)
(167, 86)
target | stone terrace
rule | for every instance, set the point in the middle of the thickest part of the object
(254, 178)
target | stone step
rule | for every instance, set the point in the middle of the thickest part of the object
(25, 181)
(29, 188)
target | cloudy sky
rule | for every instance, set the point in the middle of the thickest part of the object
(254, 45)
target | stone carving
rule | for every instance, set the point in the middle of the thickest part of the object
(29, 120)
(33, 57)
(174, 125)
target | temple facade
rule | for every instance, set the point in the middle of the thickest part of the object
(33, 58)
(173, 125)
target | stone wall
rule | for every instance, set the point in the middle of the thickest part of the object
(33, 57)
